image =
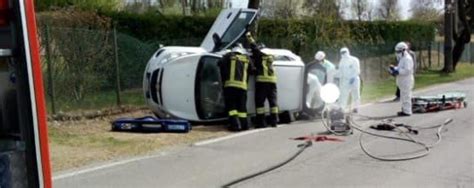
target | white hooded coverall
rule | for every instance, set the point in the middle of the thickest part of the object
(405, 80)
(349, 80)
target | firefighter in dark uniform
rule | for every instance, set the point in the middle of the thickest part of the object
(234, 68)
(265, 84)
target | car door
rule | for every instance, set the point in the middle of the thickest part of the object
(229, 26)
(209, 91)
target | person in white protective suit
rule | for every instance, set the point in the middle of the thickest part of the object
(405, 79)
(320, 57)
(349, 80)
(314, 85)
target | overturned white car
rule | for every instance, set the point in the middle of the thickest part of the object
(184, 82)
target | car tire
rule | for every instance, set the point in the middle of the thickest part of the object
(286, 117)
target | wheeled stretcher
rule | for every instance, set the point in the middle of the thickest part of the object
(444, 101)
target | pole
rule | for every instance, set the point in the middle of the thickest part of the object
(448, 36)
(117, 68)
(50, 70)
(364, 65)
(429, 54)
(470, 52)
(380, 67)
(439, 52)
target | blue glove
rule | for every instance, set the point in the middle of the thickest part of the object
(352, 81)
(393, 71)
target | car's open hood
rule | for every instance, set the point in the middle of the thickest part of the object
(229, 26)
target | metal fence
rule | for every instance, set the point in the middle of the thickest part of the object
(95, 69)
(92, 69)
(467, 56)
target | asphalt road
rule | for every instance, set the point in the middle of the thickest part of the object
(325, 164)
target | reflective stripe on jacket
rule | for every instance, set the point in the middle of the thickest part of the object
(234, 70)
(265, 70)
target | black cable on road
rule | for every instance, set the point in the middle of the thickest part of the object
(354, 125)
(240, 180)
(426, 147)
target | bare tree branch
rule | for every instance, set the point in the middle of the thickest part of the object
(389, 10)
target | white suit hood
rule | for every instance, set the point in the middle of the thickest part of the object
(349, 66)
(345, 52)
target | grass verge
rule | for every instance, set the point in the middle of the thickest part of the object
(101, 100)
(380, 89)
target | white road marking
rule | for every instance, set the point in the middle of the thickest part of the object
(108, 165)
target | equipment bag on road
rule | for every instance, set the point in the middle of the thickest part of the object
(151, 124)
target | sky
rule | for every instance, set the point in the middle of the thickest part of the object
(403, 4)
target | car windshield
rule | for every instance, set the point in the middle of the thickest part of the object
(209, 90)
(236, 29)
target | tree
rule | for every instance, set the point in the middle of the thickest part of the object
(327, 9)
(461, 32)
(371, 11)
(140, 6)
(214, 4)
(81, 4)
(360, 9)
(284, 9)
(255, 4)
(424, 10)
(277, 8)
(389, 10)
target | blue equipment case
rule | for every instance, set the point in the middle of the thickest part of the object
(151, 124)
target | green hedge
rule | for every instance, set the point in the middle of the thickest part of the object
(156, 27)
(302, 36)
(333, 33)
(165, 29)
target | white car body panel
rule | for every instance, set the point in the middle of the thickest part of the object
(165, 57)
(173, 73)
(289, 86)
(178, 84)
(178, 87)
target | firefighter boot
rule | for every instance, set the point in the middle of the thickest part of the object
(244, 124)
(234, 123)
(273, 119)
(260, 121)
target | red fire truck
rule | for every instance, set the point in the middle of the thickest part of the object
(24, 153)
